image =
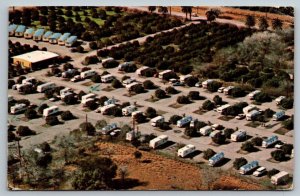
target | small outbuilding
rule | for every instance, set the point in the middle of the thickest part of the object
(20, 31)
(29, 33)
(38, 34)
(53, 39)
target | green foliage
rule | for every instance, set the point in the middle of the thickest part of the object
(289, 124)
(183, 99)
(239, 162)
(247, 146)
(257, 141)
(88, 128)
(208, 105)
(278, 155)
(273, 172)
(173, 119)
(25, 131)
(207, 154)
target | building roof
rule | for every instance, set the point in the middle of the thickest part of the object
(36, 56)
(12, 27)
(64, 36)
(47, 34)
(72, 39)
(55, 36)
(29, 31)
(20, 29)
(39, 32)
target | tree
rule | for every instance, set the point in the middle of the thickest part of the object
(93, 45)
(67, 115)
(148, 84)
(70, 99)
(278, 155)
(183, 99)
(287, 103)
(208, 105)
(88, 128)
(160, 94)
(218, 100)
(212, 14)
(25, 131)
(96, 78)
(10, 83)
(150, 112)
(262, 97)
(41, 108)
(171, 90)
(52, 120)
(138, 89)
(11, 136)
(219, 138)
(137, 154)
(207, 154)
(213, 86)
(194, 95)
(187, 10)
(116, 83)
(191, 81)
(277, 24)
(110, 64)
(263, 23)
(289, 124)
(163, 10)
(228, 132)
(30, 113)
(43, 160)
(100, 124)
(257, 141)
(173, 119)
(239, 162)
(151, 8)
(139, 118)
(273, 172)
(123, 173)
(287, 148)
(190, 132)
(45, 147)
(247, 146)
(250, 21)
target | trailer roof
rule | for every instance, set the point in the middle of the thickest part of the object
(55, 36)
(64, 36)
(12, 27)
(36, 56)
(72, 39)
(29, 31)
(20, 29)
(249, 165)
(217, 156)
(47, 34)
(39, 32)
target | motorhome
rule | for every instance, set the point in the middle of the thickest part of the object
(29, 33)
(62, 40)
(251, 115)
(206, 130)
(278, 115)
(128, 81)
(248, 167)
(238, 135)
(53, 39)
(216, 159)
(206, 83)
(84, 98)
(279, 100)
(47, 35)
(260, 171)
(157, 120)
(270, 141)
(280, 178)
(12, 29)
(51, 110)
(107, 78)
(18, 108)
(104, 110)
(253, 94)
(128, 110)
(184, 121)
(38, 35)
(222, 108)
(87, 74)
(228, 90)
(183, 78)
(249, 108)
(186, 150)
(20, 31)
(158, 141)
(47, 86)
(108, 128)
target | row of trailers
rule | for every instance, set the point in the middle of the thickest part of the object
(42, 35)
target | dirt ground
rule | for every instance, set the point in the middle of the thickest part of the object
(156, 172)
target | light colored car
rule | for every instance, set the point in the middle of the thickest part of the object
(260, 171)
(240, 116)
(53, 99)
(198, 84)
(221, 89)
(76, 78)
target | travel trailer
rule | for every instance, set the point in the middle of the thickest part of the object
(128, 110)
(47, 35)
(186, 150)
(279, 100)
(87, 74)
(122, 66)
(270, 141)
(251, 115)
(20, 31)
(104, 110)
(128, 81)
(28, 80)
(249, 108)
(62, 40)
(110, 101)
(140, 71)
(85, 98)
(238, 135)
(18, 108)
(164, 74)
(158, 141)
(206, 130)
(184, 121)
(248, 167)
(71, 41)
(64, 92)
(20, 87)
(108, 128)
(193, 122)
(252, 94)
(280, 178)
(157, 120)
(130, 86)
(53, 39)
(278, 115)
(43, 87)
(216, 159)
(51, 110)
(107, 59)
(183, 78)
(227, 90)
(107, 78)
(206, 83)
(260, 171)
(222, 108)
(38, 35)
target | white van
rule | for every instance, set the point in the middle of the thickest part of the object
(51, 110)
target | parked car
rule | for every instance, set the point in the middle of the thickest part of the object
(260, 171)
(240, 116)
(76, 78)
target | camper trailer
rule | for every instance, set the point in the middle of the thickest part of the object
(128, 110)
(11, 29)
(184, 121)
(251, 115)
(222, 108)
(85, 98)
(214, 133)
(248, 167)
(141, 71)
(135, 113)
(158, 141)
(38, 34)
(164, 74)
(193, 122)
(278, 115)
(64, 92)
(279, 100)
(107, 59)
(238, 135)
(157, 120)
(249, 108)
(186, 150)
(206, 130)
(43, 87)
(216, 159)
(107, 78)
(110, 101)
(29, 33)
(260, 171)
(280, 178)
(128, 81)
(269, 141)
(252, 94)
(122, 66)
(104, 110)
(227, 90)
(51, 110)
(62, 40)
(21, 86)
(206, 83)
(71, 41)
(183, 78)
(87, 74)
(108, 128)
(46, 36)
(18, 108)
(130, 86)
(20, 31)
(68, 73)
(28, 80)
(53, 39)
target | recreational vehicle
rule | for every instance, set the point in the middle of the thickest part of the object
(222, 108)
(11, 29)
(43, 87)
(216, 159)
(108, 128)
(158, 141)
(130, 86)
(278, 115)
(164, 74)
(184, 121)
(279, 100)
(20, 31)
(141, 71)
(28, 80)
(206, 130)
(238, 135)
(135, 113)
(38, 35)
(227, 90)
(206, 83)
(260, 171)
(122, 66)
(269, 141)
(88, 73)
(280, 178)
(20, 87)
(248, 167)
(251, 115)
(110, 101)
(107, 59)
(71, 41)
(18, 108)
(62, 40)
(29, 33)
(249, 108)
(64, 92)
(107, 78)
(157, 120)
(193, 122)
(252, 94)
(128, 110)
(47, 35)
(186, 150)
(104, 110)
(128, 81)
(53, 39)
(84, 98)
(51, 110)
(68, 73)
(184, 77)
(214, 133)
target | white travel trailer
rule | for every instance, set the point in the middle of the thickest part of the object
(193, 122)
(214, 133)
(158, 141)
(64, 92)
(251, 115)
(184, 121)
(108, 59)
(206, 130)
(67, 73)
(28, 80)
(186, 150)
(278, 100)
(106, 108)
(206, 83)
(107, 78)
(84, 98)
(227, 90)
(157, 120)
(248, 167)
(128, 110)
(222, 108)
(216, 159)
(51, 110)
(135, 113)
(122, 66)
(238, 135)
(278, 115)
(249, 108)
(108, 128)
(269, 141)
(162, 74)
(43, 87)
(280, 178)
(130, 86)
(88, 73)
(128, 81)
(141, 70)
(183, 78)
(253, 93)
(18, 108)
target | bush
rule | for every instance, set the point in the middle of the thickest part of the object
(289, 124)
(257, 141)
(150, 112)
(25, 131)
(52, 120)
(194, 95)
(110, 64)
(88, 128)
(93, 45)
(67, 115)
(219, 138)
(45, 147)
(137, 154)
(96, 79)
(228, 132)
(287, 103)
(41, 108)
(207, 154)
(160, 94)
(148, 84)
(191, 81)
(140, 118)
(11, 83)
(239, 162)
(70, 99)
(262, 97)
(138, 89)
(173, 119)
(208, 105)
(11, 136)
(183, 100)
(287, 148)
(218, 100)
(44, 160)
(214, 86)
(30, 113)
(171, 90)
(92, 105)
(247, 146)
(238, 92)
(100, 124)
(278, 155)
(273, 172)
(116, 83)
(190, 131)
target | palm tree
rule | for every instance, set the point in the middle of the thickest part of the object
(263, 23)
(187, 10)
(151, 8)
(163, 10)
(170, 10)
(276, 24)
(212, 14)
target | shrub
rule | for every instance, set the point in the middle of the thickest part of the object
(287, 148)
(88, 128)
(25, 131)
(139, 118)
(214, 86)
(67, 115)
(96, 79)
(44, 160)
(218, 100)
(278, 155)
(262, 97)
(116, 83)
(137, 154)
(247, 146)
(148, 84)
(207, 154)
(70, 99)
(45, 147)
(30, 113)
(52, 120)
(239, 162)
(138, 89)
(190, 131)
(289, 124)
(191, 81)
(257, 141)
(273, 172)
(208, 105)
(238, 92)
(42, 107)
(173, 119)
(100, 124)
(11, 83)
(183, 99)
(194, 95)
(160, 94)
(228, 132)
(171, 90)
(150, 112)
(93, 45)
(11, 136)
(287, 103)
(219, 138)
(110, 64)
